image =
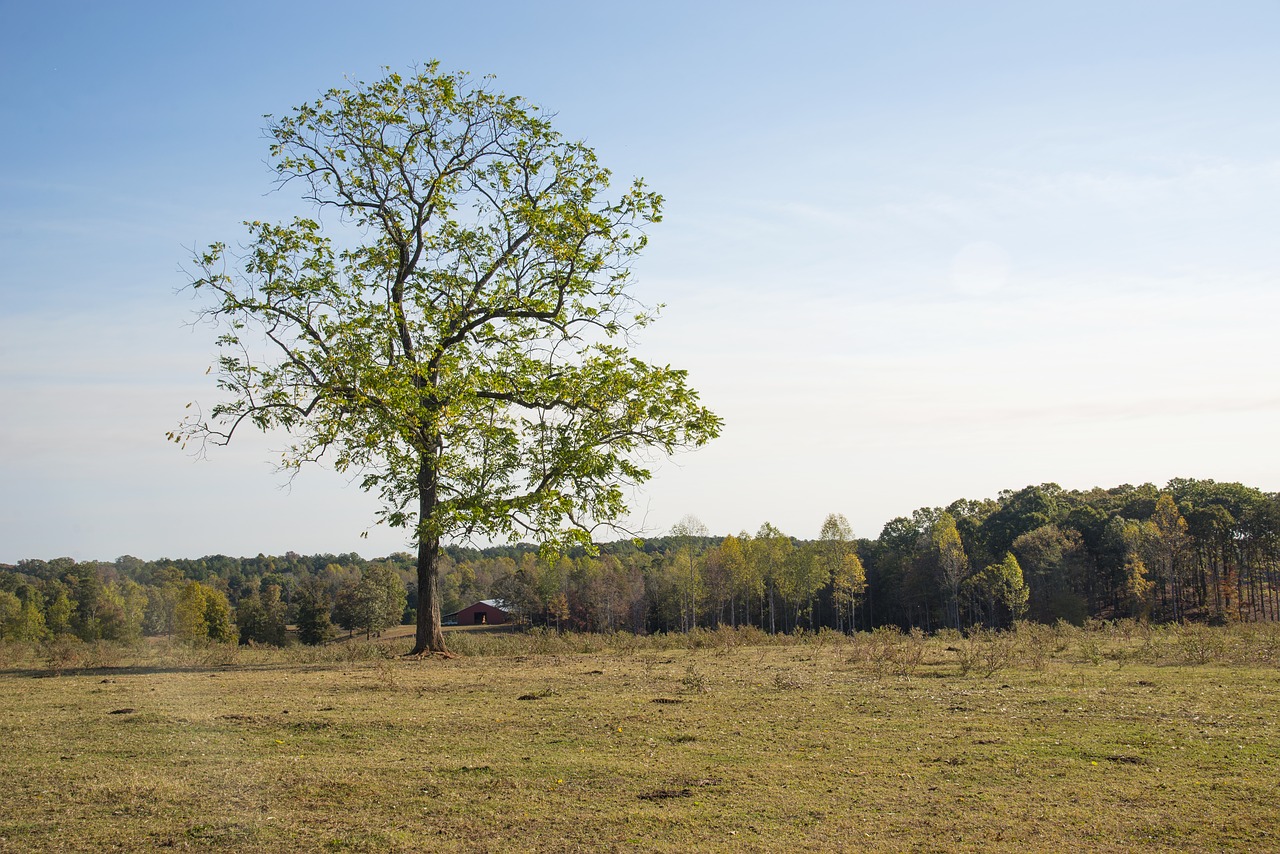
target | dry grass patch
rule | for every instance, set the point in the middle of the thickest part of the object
(816, 745)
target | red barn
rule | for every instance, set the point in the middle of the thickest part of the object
(487, 612)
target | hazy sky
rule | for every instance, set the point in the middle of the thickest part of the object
(912, 252)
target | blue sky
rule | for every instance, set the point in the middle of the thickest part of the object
(912, 251)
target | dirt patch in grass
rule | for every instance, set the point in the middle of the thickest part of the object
(664, 794)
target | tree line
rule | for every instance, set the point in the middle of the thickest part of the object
(214, 599)
(1194, 550)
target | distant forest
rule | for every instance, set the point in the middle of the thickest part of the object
(1194, 550)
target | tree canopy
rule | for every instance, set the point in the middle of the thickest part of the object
(455, 332)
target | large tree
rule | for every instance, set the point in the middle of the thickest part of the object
(455, 332)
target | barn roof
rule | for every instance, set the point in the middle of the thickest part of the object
(500, 604)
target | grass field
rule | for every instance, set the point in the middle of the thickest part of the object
(1118, 738)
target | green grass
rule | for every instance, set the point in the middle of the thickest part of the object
(1110, 739)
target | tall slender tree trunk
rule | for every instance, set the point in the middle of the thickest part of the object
(430, 635)
(693, 594)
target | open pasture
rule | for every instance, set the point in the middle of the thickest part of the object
(1098, 740)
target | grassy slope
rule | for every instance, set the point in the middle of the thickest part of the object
(809, 746)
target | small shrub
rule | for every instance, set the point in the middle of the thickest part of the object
(21, 653)
(1157, 645)
(1089, 640)
(1035, 643)
(359, 650)
(694, 682)
(1201, 644)
(1000, 653)
(827, 635)
(624, 643)
(1262, 642)
(910, 653)
(104, 654)
(700, 638)
(949, 636)
(880, 647)
(1064, 635)
(786, 682)
(220, 654)
(888, 650)
(1127, 628)
(967, 653)
(385, 675)
(63, 653)
(986, 652)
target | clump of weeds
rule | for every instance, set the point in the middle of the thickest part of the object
(694, 682)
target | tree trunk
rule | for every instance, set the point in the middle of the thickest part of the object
(430, 636)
